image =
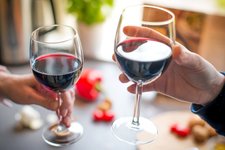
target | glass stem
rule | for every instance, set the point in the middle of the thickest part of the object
(136, 115)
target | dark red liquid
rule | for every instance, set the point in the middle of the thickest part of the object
(143, 59)
(57, 71)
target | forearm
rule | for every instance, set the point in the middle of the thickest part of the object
(3, 70)
(3, 77)
(213, 112)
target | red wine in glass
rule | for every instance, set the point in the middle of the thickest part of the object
(143, 49)
(143, 59)
(57, 71)
(56, 59)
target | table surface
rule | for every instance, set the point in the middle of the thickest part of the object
(97, 136)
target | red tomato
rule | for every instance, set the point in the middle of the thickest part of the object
(108, 116)
(173, 128)
(180, 130)
(97, 115)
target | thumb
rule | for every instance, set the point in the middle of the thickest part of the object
(44, 96)
(33, 96)
(48, 99)
(46, 102)
(183, 57)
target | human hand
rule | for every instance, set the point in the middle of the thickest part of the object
(64, 106)
(65, 110)
(24, 89)
(188, 77)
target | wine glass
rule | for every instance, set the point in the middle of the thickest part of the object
(56, 59)
(142, 57)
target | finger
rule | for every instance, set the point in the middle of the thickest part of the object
(72, 93)
(66, 121)
(36, 98)
(183, 57)
(176, 51)
(66, 103)
(69, 113)
(67, 107)
(146, 88)
(46, 91)
(145, 32)
(32, 94)
(123, 78)
(132, 88)
(113, 57)
(28, 79)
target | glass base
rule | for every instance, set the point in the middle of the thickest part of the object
(125, 131)
(64, 137)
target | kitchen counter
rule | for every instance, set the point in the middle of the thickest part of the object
(97, 136)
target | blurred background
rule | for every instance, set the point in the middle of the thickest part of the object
(200, 26)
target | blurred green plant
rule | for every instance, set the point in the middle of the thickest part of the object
(221, 3)
(90, 11)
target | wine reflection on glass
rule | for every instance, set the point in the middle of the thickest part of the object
(56, 59)
(142, 57)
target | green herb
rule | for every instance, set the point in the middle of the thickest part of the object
(90, 11)
(221, 3)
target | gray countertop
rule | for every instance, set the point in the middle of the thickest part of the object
(97, 136)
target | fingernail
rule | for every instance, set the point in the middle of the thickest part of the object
(67, 121)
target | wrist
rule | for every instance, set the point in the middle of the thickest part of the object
(212, 112)
(217, 89)
(3, 77)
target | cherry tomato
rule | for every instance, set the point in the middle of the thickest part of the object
(108, 116)
(173, 128)
(180, 130)
(98, 115)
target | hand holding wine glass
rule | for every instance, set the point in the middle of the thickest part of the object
(64, 111)
(56, 60)
(143, 59)
(183, 67)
